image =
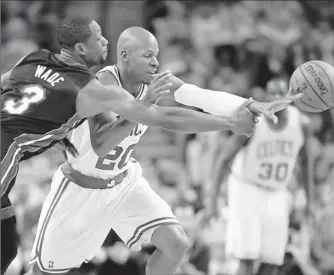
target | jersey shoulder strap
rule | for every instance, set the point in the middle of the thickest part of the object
(114, 71)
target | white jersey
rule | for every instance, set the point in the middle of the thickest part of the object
(270, 156)
(119, 159)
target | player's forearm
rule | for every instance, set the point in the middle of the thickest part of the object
(307, 171)
(219, 173)
(173, 118)
(189, 121)
(214, 102)
(110, 135)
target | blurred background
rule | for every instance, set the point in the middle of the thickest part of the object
(235, 46)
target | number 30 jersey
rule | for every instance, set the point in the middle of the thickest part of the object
(119, 159)
(270, 156)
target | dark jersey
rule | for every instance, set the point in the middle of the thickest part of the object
(38, 107)
(41, 95)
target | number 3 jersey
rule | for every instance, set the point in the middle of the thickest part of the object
(119, 159)
(40, 98)
(270, 156)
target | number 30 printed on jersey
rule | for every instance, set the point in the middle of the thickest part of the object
(31, 94)
(271, 171)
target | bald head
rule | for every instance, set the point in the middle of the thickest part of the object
(134, 37)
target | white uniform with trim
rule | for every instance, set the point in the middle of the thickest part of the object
(75, 221)
(259, 201)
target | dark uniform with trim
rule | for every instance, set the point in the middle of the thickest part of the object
(38, 109)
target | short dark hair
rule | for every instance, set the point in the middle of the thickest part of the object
(73, 30)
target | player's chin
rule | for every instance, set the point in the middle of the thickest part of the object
(147, 79)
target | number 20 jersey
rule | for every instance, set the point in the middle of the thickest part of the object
(119, 159)
(270, 156)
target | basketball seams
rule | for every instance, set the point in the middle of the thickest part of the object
(312, 87)
(296, 80)
(328, 78)
(316, 108)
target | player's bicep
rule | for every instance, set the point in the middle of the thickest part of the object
(96, 98)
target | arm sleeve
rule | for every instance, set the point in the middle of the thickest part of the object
(214, 102)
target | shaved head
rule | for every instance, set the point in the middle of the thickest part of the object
(137, 54)
(133, 38)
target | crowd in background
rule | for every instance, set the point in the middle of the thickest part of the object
(235, 46)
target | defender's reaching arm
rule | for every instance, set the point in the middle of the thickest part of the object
(96, 98)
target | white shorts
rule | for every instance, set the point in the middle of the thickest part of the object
(258, 222)
(75, 221)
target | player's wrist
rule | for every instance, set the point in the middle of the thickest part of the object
(233, 123)
(254, 106)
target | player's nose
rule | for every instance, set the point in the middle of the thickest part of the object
(105, 41)
(154, 62)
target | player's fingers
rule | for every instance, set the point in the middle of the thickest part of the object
(160, 78)
(271, 116)
(246, 103)
(165, 87)
(293, 98)
(163, 80)
(165, 93)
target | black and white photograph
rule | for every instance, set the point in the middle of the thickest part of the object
(158, 137)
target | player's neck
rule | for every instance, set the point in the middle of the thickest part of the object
(128, 82)
(71, 58)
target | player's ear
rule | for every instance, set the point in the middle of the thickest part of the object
(124, 55)
(80, 48)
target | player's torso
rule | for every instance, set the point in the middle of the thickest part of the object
(118, 160)
(41, 95)
(270, 157)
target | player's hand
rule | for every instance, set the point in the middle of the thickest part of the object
(177, 83)
(245, 120)
(268, 109)
(159, 86)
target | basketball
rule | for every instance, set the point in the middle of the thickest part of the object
(315, 79)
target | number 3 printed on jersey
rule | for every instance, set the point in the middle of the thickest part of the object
(31, 94)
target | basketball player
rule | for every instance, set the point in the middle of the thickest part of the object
(258, 199)
(103, 187)
(46, 95)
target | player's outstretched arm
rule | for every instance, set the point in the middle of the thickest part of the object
(224, 103)
(96, 98)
